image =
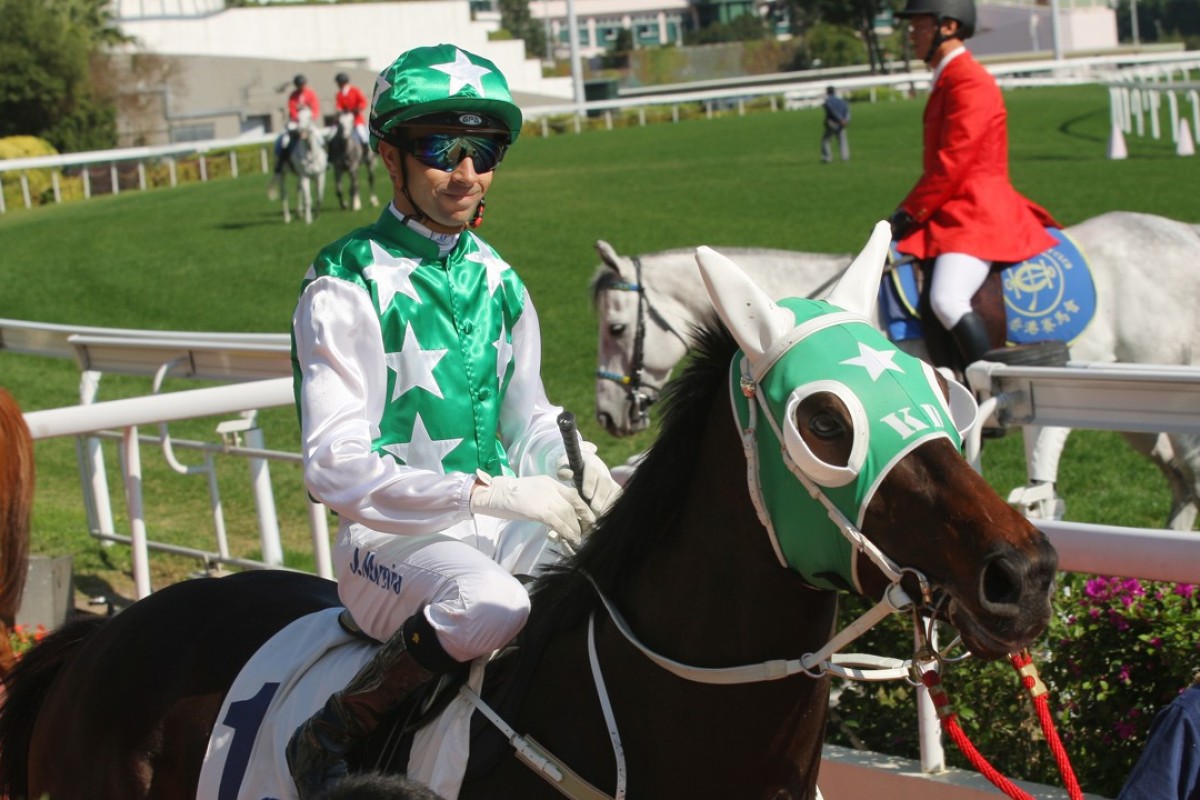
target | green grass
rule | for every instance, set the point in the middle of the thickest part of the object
(216, 257)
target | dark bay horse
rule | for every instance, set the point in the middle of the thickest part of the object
(706, 568)
(16, 506)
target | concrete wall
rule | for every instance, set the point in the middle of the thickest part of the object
(1005, 29)
(366, 34)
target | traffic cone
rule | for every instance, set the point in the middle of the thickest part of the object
(1116, 144)
(1185, 146)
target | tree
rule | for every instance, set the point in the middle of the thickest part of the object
(47, 52)
(516, 19)
(858, 15)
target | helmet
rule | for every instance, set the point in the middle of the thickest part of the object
(299, 81)
(961, 10)
(444, 86)
(341, 78)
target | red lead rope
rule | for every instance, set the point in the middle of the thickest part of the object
(1023, 664)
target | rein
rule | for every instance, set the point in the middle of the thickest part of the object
(639, 401)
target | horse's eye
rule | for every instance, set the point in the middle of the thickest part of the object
(826, 426)
(617, 330)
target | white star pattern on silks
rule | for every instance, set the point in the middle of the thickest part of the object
(414, 366)
(494, 265)
(392, 275)
(381, 86)
(462, 73)
(421, 451)
(504, 352)
(875, 362)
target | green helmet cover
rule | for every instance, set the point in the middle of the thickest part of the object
(441, 78)
(895, 404)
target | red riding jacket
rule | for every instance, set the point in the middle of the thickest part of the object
(303, 96)
(350, 98)
(964, 202)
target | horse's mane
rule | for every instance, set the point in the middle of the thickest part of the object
(649, 506)
(16, 504)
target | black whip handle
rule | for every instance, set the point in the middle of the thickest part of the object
(570, 437)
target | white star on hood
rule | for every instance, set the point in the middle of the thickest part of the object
(462, 73)
(392, 275)
(493, 264)
(381, 86)
(421, 451)
(875, 362)
(414, 366)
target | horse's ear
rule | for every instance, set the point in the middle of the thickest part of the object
(858, 289)
(752, 317)
(608, 255)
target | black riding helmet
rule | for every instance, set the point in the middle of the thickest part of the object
(299, 81)
(342, 79)
(962, 11)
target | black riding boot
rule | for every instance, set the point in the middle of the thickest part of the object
(971, 337)
(317, 750)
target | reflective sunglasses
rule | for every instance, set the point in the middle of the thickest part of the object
(444, 151)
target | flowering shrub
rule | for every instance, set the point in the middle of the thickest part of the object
(1116, 652)
(22, 638)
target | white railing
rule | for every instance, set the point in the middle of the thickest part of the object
(798, 89)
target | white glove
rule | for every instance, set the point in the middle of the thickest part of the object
(598, 487)
(539, 498)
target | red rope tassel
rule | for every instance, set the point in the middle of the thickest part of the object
(1023, 663)
(933, 682)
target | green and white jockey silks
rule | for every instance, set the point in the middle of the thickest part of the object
(895, 405)
(447, 340)
(429, 80)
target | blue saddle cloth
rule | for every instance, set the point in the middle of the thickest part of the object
(1046, 297)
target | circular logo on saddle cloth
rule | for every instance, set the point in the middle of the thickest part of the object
(1049, 296)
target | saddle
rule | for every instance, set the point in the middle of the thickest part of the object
(1050, 297)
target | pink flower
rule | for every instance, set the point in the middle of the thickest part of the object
(1125, 729)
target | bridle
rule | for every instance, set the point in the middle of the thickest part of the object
(639, 393)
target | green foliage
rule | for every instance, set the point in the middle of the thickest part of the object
(40, 180)
(47, 87)
(516, 19)
(745, 28)
(827, 45)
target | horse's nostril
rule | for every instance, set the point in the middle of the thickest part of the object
(1000, 585)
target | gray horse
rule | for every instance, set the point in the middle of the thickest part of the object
(1147, 286)
(348, 154)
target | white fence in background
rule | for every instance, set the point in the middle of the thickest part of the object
(782, 90)
(1118, 397)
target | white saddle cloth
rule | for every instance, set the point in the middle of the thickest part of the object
(288, 679)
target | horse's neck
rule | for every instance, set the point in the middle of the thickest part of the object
(742, 605)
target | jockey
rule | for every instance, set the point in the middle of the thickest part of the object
(350, 99)
(424, 421)
(301, 99)
(963, 212)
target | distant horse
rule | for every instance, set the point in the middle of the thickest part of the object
(683, 565)
(347, 154)
(16, 504)
(308, 160)
(1147, 287)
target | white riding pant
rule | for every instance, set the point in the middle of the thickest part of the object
(463, 577)
(956, 279)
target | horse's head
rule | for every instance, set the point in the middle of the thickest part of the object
(636, 352)
(345, 125)
(856, 466)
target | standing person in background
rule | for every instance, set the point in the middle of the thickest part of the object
(302, 100)
(423, 419)
(963, 212)
(350, 99)
(837, 117)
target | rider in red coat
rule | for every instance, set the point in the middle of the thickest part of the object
(351, 99)
(303, 97)
(963, 212)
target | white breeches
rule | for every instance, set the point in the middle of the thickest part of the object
(464, 576)
(956, 279)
